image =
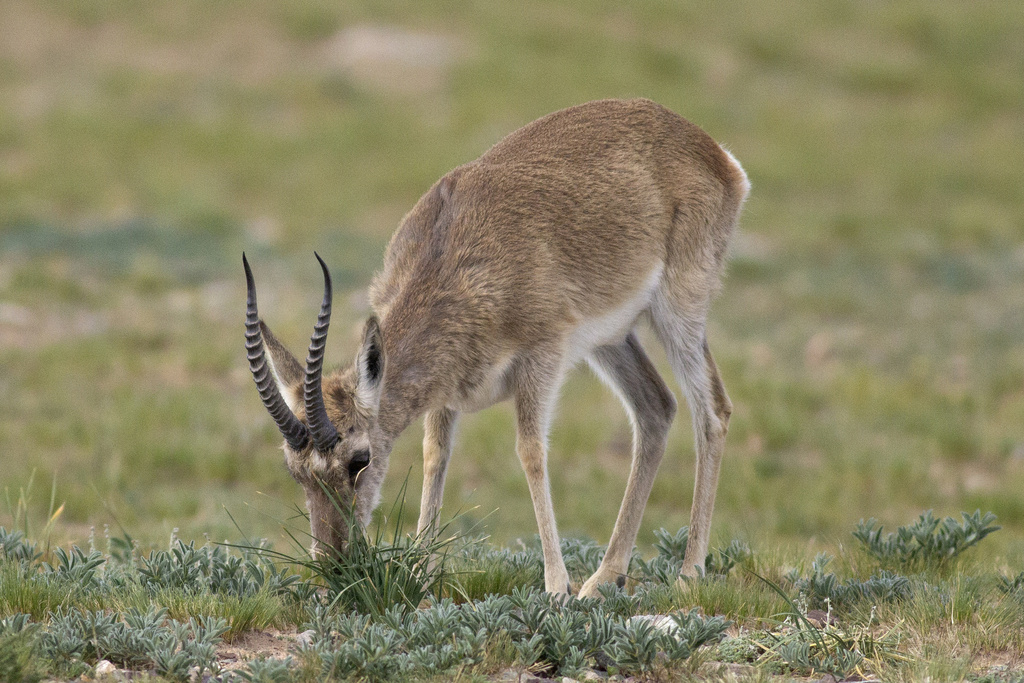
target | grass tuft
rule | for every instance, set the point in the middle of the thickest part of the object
(377, 572)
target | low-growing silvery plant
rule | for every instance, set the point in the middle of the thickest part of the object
(214, 569)
(76, 639)
(563, 636)
(266, 670)
(824, 590)
(928, 541)
(14, 546)
(76, 566)
(666, 566)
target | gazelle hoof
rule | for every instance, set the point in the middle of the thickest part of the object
(600, 578)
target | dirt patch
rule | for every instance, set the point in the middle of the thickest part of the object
(270, 644)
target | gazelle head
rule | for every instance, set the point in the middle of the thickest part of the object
(332, 444)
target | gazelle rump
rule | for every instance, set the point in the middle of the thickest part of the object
(547, 250)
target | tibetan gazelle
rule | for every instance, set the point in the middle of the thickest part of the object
(547, 250)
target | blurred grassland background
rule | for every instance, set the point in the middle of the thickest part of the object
(870, 332)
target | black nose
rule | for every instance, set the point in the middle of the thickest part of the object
(359, 461)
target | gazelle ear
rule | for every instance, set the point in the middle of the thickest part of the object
(287, 371)
(370, 366)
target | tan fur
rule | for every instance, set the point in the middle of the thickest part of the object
(544, 251)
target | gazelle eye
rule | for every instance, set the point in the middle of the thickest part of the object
(359, 461)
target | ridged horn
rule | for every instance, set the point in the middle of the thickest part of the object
(324, 433)
(294, 432)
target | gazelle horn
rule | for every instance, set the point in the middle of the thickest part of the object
(294, 432)
(324, 433)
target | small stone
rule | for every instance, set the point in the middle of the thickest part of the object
(305, 638)
(591, 675)
(105, 669)
(661, 622)
(514, 676)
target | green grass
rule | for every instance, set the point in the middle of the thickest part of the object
(870, 331)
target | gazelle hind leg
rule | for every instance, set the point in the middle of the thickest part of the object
(651, 407)
(536, 383)
(688, 353)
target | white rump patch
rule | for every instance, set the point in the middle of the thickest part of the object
(739, 167)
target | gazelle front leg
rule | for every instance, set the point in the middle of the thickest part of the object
(536, 386)
(438, 429)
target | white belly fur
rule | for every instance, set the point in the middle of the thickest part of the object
(590, 333)
(613, 326)
(493, 389)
